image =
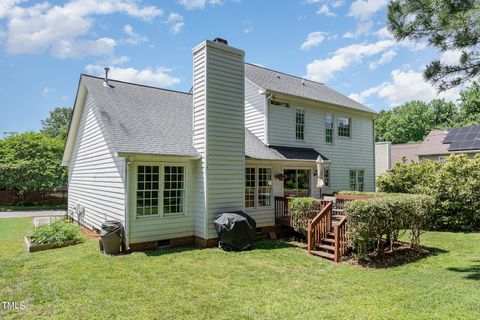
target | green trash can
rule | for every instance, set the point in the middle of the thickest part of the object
(111, 237)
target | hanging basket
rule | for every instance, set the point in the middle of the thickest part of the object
(281, 176)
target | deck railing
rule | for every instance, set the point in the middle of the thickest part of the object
(319, 226)
(341, 240)
(282, 216)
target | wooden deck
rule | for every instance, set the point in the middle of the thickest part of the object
(327, 231)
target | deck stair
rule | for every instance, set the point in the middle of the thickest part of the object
(327, 236)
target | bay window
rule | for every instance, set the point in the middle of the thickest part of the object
(160, 190)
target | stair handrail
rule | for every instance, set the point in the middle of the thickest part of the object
(341, 240)
(324, 217)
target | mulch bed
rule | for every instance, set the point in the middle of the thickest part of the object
(402, 253)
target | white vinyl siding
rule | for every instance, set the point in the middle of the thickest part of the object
(222, 103)
(96, 174)
(344, 153)
(255, 110)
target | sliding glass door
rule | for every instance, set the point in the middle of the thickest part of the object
(297, 183)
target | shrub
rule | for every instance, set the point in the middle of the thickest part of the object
(302, 210)
(57, 233)
(454, 185)
(374, 223)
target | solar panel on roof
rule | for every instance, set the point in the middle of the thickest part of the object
(476, 145)
(467, 138)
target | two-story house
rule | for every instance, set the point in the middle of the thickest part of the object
(165, 163)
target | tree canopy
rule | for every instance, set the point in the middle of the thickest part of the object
(31, 162)
(56, 125)
(412, 121)
(446, 25)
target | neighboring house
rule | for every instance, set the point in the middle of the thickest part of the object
(436, 146)
(165, 163)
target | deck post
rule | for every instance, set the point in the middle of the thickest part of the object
(336, 232)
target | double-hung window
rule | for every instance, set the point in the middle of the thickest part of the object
(258, 187)
(300, 124)
(160, 190)
(357, 180)
(326, 177)
(329, 128)
(344, 127)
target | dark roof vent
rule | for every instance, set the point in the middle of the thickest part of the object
(220, 40)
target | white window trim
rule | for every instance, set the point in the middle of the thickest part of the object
(351, 126)
(304, 124)
(255, 198)
(161, 182)
(356, 178)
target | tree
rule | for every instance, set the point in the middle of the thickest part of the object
(56, 125)
(409, 122)
(31, 162)
(446, 25)
(445, 113)
(470, 105)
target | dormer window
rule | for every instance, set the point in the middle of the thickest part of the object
(300, 124)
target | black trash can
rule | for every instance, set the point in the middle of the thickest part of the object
(112, 237)
(236, 230)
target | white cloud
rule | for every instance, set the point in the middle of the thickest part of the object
(363, 9)
(155, 77)
(384, 33)
(313, 39)
(451, 57)
(43, 27)
(325, 10)
(176, 22)
(134, 38)
(324, 69)
(46, 91)
(406, 85)
(83, 48)
(119, 60)
(198, 4)
(385, 58)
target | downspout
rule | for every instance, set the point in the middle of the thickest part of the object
(265, 101)
(127, 198)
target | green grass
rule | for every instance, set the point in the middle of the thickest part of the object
(32, 208)
(274, 281)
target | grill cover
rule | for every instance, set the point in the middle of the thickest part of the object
(236, 230)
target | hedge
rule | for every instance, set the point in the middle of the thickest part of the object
(455, 186)
(375, 223)
(303, 209)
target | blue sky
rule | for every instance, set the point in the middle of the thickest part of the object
(46, 45)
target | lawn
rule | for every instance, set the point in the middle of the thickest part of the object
(274, 281)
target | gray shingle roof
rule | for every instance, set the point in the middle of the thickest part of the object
(141, 119)
(148, 120)
(281, 82)
(292, 153)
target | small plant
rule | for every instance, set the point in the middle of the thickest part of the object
(281, 176)
(57, 233)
